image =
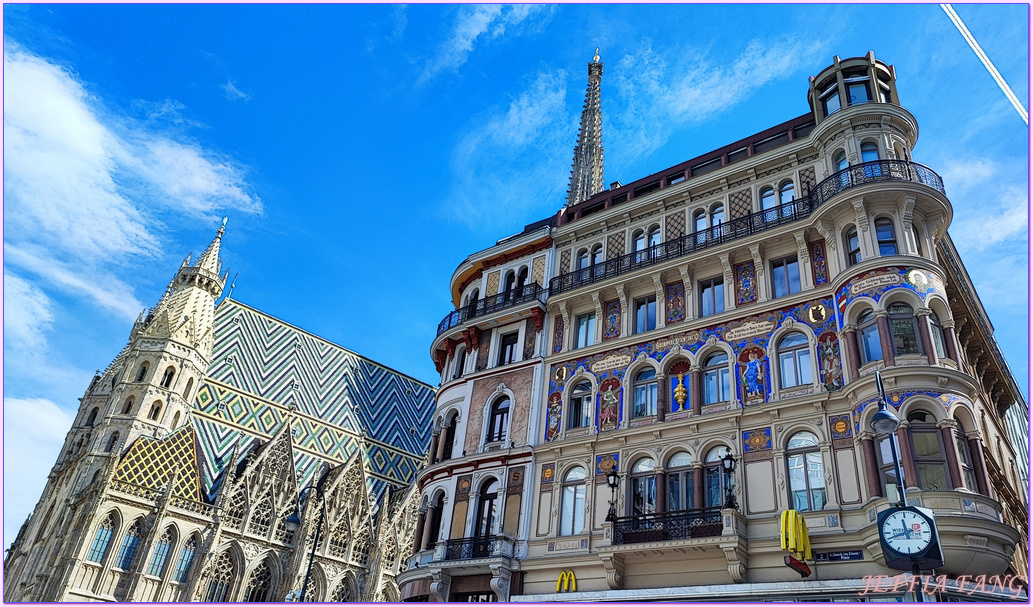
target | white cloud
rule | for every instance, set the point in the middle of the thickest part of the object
(473, 22)
(233, 93)
(27, 314)
(34, 430)
(88, 190)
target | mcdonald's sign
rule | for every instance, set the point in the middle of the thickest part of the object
(566, 582)
(793, 531)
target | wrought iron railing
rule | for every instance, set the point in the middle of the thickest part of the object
(868, 172)
(470, 548)
(679, 525)
(493, 303)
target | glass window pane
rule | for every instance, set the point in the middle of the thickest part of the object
(674, 491)
(719, 298)
(933, 476)
(781, 286)
(793, 271)
(870, 346)
(803, 358)
(927, 444)
(786, 363)
(579, 509)
(904, 339)
(831, 103)
(567, 515)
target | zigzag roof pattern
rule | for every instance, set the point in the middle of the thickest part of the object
(152, 463)
(265, 373)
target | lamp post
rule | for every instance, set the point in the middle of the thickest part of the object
(728, 464)
(886, 422)
(613, 480)
(293, 523)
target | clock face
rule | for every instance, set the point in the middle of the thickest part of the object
(907, 532)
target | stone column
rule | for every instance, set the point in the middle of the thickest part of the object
(951, 341)
(871, 464)
(421, 524)
(696, 389)
(426, 540)
(907, 462)
(435, 438)
(441, 445)
(661, 489)
(663, 388)
(925, 332)
(950, 449)
(882, 318)
(852, 353)
(975, 445)
(697, 484)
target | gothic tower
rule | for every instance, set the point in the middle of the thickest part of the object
(586, 175)
(145, 392)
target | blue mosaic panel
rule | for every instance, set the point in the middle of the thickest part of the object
(896, 399)
(877, 283)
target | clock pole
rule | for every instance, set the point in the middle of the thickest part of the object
(886, 422)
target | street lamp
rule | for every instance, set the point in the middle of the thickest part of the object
(293, 523)
(886, 422)
(613, 480)
(728, 464)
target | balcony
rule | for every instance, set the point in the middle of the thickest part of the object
(494, 303)
(475, 548)
(869, 172)
(680, 525)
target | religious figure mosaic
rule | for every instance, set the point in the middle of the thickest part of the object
(831, 361)
(818, 263)
(609, 404)
(612, 313)
(753, 376)
(675, 302)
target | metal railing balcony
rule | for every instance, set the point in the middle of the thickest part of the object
(475, 548)
(494, 303)
(861, 174)
(678, 525)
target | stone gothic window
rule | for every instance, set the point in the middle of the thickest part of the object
(101, 541)
(282, 533)
(128, 550)
(166, 380)
(142, 373)
(92, 417)
(339, 540)
(362, 548)
(186, 558)
(342, 594)
(261, 518)
(235, 512)
(259, 585)
(161, 553)
(221, 579)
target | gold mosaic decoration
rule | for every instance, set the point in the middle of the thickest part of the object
(150, 463)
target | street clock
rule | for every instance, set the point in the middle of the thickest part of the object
(909, 539)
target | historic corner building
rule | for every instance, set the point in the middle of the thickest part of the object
(731, 310)
(189, 452)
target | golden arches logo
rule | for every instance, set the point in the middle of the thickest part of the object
(794, 534)
(566, 582)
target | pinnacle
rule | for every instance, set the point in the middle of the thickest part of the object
(586, 175)
(209, 260)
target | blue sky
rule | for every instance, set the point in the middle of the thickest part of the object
(361, 152)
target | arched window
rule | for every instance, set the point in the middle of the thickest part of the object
(186, 558)
(885, 235)
(582, 259)
(794, 360)
(572, 517)
(806, 472)
(460, 362)
(161, 553)
(653, 236)
(521, 278)
(155, 410)
(717, 215)
(221, 579)
(258, 586)
(968, 472)
(767, 199)
(101, 540)
(111, 442)
(904, 327)
(840, 165)
(338, 542)
(166, 380)
(487, 505)
(597, 255)
(449, 436)
(938, 339)
(645, 393)
(188, 389)
(435, 519)
(643, 487)
(918, 239)
(715, 379)
(927, 443)
(92, 417)
(681, 487)
(175, 420)
(714, 478)
(869, 342)
(261, 518)
(853, 247)
(142, 372)
(869, 152)
(128, 550)
(510, 281)
(786, 192)
(580, 406)
(342, 594)
(498, 421)
(638, 240)
(699, 220)
(234, 514)
(127, 408)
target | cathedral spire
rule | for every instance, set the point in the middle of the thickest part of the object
(209, 260)
(586, 175)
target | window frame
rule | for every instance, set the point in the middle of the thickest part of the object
(572, 502)
(583, 339)
(784, 264)
(922, 462)
(580, 406)
(645, 388)
(643, 487)
(488, 504)
(853, 246)
(717, 303)
(718, 370)
(868, 325)
(497, 430)
(508, 351)
(799, 365)
(681, 483)
(883, 224)
(643, 306)
(899, 320)
(802, 452)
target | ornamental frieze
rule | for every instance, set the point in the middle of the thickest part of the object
(876, 283)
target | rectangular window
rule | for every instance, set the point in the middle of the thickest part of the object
(785, 276)
(675, 178)
(830, 101)
(585, 330)
(857, 92)
(646, 189)
(712, 296)
(507, 349)
(645, 314)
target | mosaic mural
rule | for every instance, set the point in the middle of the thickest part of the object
(831, 361)
(819, 266)
(896, 399)
(877, 283)
(606, 462)
(612, 319)
(745, 283)
(753, 376)
(840, 426)
(610, 397)
(266, 373)
(553, 416)
(675, 302)
(557, 334)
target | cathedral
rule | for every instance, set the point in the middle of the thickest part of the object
(226, 456)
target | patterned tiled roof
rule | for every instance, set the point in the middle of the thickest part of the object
(151, 463)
